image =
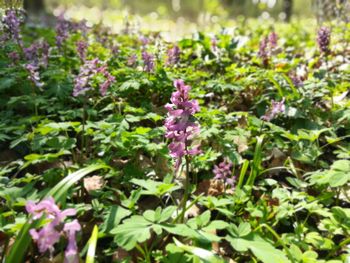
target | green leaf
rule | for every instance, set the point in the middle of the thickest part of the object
(133, 230)
(262, 249)
(205, 255)
(35, 158)
(130, 85)
(113, 217)
(155, 188)
(90, 257)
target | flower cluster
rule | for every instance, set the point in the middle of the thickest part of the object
(148, 61)
(179, 124)
(62, 30)
(45, 52)
(173, 55)
(82, 81)
(267, 47)
(275, 109)
(34, 75)
(297, 80)
(87, 71)
(108, 82)
(12, 26)
(263, 51)
(144, 41)
(82, 49)
(324, 39)
(273, 37)
(33, 52)
(223, 172)
(50, 233)
(79, 26)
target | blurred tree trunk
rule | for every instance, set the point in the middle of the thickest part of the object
(288, 9)
(34, 6)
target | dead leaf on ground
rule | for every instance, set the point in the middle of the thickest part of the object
(93, 183)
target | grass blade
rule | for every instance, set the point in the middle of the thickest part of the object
(90, 257)
(255, 169)
(205, 255)
(60, 189)
(243, 173)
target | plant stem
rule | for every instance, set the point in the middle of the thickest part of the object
(83, 149)
(186, 194)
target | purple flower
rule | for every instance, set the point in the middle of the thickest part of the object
(89, 70)
(31, 53)
(71, 254)
(62, 30)
(108, 82)
(263, 51)
(45, 52)
(46, 238)
(79, 26)
(49, 234)
(82, 81)
(324, 39)
(34, 76)
(179, 123)
(275, 109)
(173, 56)
(223, 172)
(82, 49)
(148, 61)
(297, 80)
(12, 26)
(273, 39)
(144, 41)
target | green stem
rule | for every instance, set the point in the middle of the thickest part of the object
(186, 194)
(83, 148)
(341, 244)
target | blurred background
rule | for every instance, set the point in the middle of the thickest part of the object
(186, 16)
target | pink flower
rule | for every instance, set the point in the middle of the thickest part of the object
(62, 30)
(324, 39)
(148, 61)
(173, 56)
(223, 172)
(46, 238)
(275, 109)
(34, 75)
(82, 48)
(107, 83)
(273, 39)
(12, 25)
(49, 234)
(71, 254)
(179, 124)
(89, 70)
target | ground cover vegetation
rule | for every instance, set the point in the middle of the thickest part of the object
(226, 147)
